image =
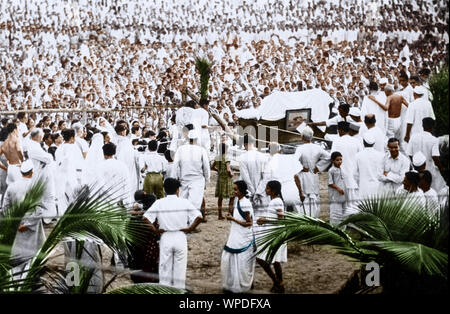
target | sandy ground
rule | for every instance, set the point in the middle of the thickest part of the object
(308, 270)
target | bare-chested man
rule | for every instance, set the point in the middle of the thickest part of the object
(393, 106)
(12, 150)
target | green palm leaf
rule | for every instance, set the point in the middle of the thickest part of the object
(308, 231)
(147, 288)
(94, 215)
(397, 218)
(203, 66)
(9, 223)
(413, 257)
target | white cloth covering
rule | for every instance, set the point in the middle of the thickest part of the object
(238, 268)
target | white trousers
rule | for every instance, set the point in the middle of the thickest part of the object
(337, 213)
(13, 174)
(173, 259)
(394, 128)
(193, 191)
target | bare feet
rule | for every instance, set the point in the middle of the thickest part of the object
(221, 217)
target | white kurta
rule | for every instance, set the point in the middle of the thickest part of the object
(396, 169)
(369, 106)
(417, 110)
(369, 168)
(193, 171)
(251, 166)
(114, 178)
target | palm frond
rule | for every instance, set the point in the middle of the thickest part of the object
(399, 219)
(147, 288)
(413, 257)
(203, 66)
(308, 231)
(9, 223)
(93, 215)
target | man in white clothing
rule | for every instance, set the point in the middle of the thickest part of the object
(114, 176)
(348, 146)
(431, 196)
(418, 109)
(176, 216)
(426, 143)
(395, 165)
(251, 166)
(200, 119)
(372, 128)
(193, 170)
(30, 235)
(369, 165)
(313, 159)
(370, 106)
(43, 166)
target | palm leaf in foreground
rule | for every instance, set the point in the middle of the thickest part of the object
(413, 257)
(10, 221)
(147, 288)
(94, 215)
(308, 231)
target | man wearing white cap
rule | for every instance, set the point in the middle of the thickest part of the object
(371, 125)
(428, 146)
(30, 234)
(369, 167)
(419, 161)
(420, 108)
(193, 170)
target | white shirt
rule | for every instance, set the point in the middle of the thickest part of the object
(155, 162)
(432, 200)
(396, 169)
(192, 163)
(380, 138)
(173, 213)
(369, 106)
(417, 110)
(309, 155)
(115, 178)
(348, 146)
(251, 166)
(369, 168)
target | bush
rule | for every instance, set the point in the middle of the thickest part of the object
(440, 102)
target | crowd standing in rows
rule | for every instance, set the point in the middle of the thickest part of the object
(120, 57)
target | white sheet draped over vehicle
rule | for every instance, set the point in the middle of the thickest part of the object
(274, 106)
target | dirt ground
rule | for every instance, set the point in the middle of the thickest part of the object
(309, 270)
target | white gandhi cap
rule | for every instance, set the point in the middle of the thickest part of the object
(420, 90)
(419, 159)
(26, 166)
(369, 138)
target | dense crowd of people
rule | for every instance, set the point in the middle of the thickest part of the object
(134, 61)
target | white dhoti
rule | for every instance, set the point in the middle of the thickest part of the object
(351, 201)
(173, 259)
(13, 174)
(193, 191)
(394, 128)
(238, 270)
(337, 207)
